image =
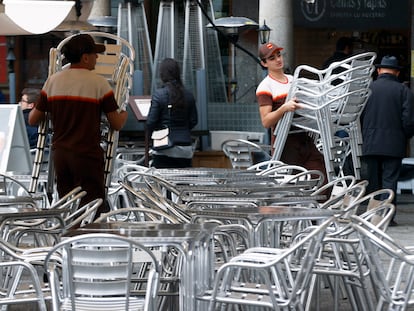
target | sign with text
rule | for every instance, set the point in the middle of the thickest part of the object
(352, 14)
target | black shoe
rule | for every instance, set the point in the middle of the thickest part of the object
(393, 223)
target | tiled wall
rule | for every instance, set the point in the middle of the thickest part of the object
(234, 117)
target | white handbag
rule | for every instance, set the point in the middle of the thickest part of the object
(160, 139)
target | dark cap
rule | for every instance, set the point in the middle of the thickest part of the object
(390, 62)
(268, 49)
(79, 45)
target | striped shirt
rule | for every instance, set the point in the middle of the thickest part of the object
(76, 99)
(276, 90)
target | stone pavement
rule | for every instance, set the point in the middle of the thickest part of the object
(404, 232)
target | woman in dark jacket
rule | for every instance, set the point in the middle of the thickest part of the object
(173, 107)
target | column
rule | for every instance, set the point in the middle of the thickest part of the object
(278, 16)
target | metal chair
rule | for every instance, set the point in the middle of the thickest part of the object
(342, 269)
(342, 266)
(391, 266)
(12, 191)
(267, 277)
(329, 107)
(374, 199)
(44, 233)
(380, 215)
(243, 153)
(19, 275)
(97, 272)
(346, 199)
(16, 276)
(295, 175)
(283, 171)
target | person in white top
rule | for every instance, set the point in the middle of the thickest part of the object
(271, 97)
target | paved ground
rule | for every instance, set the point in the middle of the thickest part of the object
(404, 232)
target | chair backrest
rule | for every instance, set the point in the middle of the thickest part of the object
(309, 180)
(99, 269)
(352, 108)
(376, 198)
(284, 171)
(317, 81)
(303, 254)
(265, 165)
(71, 200)
(390, 263)
(83, 215)
(345, 201)
(380, 215)
(287, 174)
(336, 186)
(154, 199)
(242, 152)
(11, 186)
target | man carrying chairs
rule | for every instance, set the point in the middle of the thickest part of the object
(75, 99)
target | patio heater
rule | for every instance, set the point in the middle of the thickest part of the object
(231, 27)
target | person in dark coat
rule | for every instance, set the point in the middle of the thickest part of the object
(344, 49)
(387, 125)
(30, 96)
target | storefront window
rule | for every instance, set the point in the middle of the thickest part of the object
(221, 8)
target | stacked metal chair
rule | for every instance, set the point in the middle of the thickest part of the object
(342, 267)
(117, 65)
(268, 278)
(391, 265)
(243, 153)
(331, 102)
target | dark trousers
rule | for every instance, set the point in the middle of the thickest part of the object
(73, 169)
(300, 150)
(382, 172)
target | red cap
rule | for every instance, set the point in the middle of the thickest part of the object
(268, 49)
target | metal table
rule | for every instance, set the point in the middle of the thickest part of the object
(264, 222)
